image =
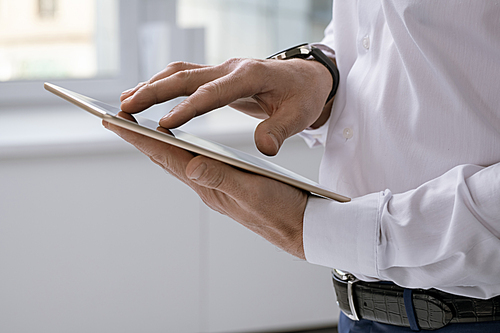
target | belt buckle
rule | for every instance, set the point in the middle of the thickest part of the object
(351, 280)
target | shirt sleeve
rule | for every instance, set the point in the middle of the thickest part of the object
(452, 222)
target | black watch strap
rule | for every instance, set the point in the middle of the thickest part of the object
(305, 51)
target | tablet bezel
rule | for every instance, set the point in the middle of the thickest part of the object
(239, 159)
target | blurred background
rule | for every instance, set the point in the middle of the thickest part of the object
(96, 238)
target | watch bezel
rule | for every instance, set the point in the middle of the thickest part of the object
(297, 51)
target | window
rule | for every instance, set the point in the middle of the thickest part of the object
(47, 9)
(254, 28)
(101, 47)
(61, 40)
(78, 44)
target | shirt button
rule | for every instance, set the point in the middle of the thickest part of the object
(347, 133)
(366, 42)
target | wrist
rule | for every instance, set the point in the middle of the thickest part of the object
(327, 109)
(306, 51)
(323, 117)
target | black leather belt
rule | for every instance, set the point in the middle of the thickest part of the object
(415, 308)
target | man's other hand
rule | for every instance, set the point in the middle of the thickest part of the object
(270, 208)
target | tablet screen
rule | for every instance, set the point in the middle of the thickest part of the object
(195, 144)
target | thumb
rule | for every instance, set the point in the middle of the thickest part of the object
(272, 132)
(213, 174)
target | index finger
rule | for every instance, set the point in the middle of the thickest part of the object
(169, 70)
(243, 81)
(181, 83)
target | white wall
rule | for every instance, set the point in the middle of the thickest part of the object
(96, 238)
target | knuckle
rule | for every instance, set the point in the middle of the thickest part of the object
(212, 87)
(169, 164)
(182, 79)
(254, 65)
(187, 81)
(170, 69)
(214, 90)
(232, 62)
(159, 159)
(183, 75)
(281, 132)
(252, 73)
(177, 66)
(244, 64)
(237, 65)
(152, 89)
(190, 109)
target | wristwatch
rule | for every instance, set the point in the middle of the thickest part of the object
(305, 51)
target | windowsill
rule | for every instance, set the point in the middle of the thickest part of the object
(68, 130)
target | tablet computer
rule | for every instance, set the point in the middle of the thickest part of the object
(195, 144)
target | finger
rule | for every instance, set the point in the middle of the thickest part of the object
(169, 70)
(173, 68)
(216, 175)
(171, 158)
(127, 93)
(270, 208)
(250, 107)
(126, 116)
(181, 83)
(210, 96)
(251, 197)
(272, 132)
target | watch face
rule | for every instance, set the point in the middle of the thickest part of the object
(298, 51)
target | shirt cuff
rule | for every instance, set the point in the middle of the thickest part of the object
(325, 49)
(343, 235)
(315, 137)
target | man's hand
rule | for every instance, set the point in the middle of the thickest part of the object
(289, 94)
(270, 208)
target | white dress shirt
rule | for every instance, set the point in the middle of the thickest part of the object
(414, 138)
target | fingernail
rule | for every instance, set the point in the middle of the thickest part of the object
(168, 115)
(275, 141)
(165, 119)
(198, 172)
(127, 91)
(127, 99)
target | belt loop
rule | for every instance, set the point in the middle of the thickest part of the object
(410, 310)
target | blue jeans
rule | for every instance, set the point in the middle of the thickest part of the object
(347, 325)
